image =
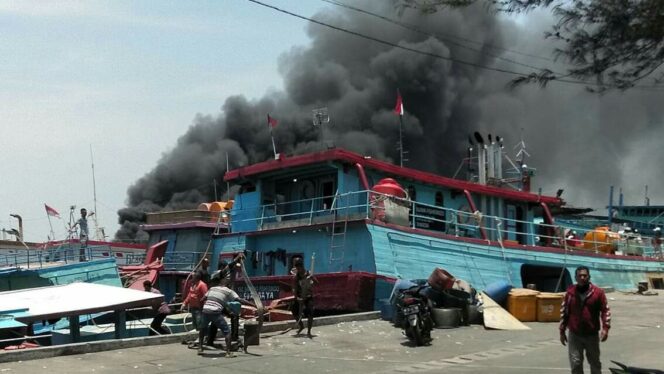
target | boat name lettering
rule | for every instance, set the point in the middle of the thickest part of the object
(430, 218)
(265, 292)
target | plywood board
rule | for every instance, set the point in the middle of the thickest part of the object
(495, 317)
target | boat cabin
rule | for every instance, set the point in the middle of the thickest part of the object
(321, 188)
(291, 191)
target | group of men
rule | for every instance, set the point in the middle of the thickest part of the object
(210, 298)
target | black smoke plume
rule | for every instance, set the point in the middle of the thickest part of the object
(578, 141)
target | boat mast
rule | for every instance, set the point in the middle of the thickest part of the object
(98, 231)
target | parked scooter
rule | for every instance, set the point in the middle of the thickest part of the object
(414, 310)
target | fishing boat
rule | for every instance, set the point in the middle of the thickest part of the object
(63, 262)
(33, 266)
(364, 223)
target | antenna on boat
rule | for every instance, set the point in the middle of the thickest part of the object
(321, 117)
(522, 153)
(469, 170)
(99, 231)
(647, 199)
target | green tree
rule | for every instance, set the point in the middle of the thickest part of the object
(609, 44)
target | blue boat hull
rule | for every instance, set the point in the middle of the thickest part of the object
(410, 254)
(395, 252)
(96, 271)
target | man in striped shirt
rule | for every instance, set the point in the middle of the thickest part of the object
(216, 302)
(582, 307)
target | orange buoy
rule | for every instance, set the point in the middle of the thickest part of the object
(601, 239)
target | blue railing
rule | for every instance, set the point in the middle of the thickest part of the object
(64, 254)
(460, 223)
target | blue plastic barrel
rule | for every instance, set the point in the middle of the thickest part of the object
(498, 291)
(387, 310)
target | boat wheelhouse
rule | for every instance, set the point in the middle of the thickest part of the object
(178, 241)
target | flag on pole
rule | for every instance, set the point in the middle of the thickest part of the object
(271, 122)
(51, 212)
(398, 109)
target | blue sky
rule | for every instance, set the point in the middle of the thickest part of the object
(126, 77)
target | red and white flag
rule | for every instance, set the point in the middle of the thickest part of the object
(398, 109)
(271, 122)
(51, 212)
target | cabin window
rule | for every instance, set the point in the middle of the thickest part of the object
(328, 194)
(247, 187)
(412, 194)
(514, 224)
(307, 190)
(438, 201)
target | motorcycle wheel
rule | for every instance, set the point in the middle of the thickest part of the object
(416, 333)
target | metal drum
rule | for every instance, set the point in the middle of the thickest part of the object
(446, 318)
(475, 315)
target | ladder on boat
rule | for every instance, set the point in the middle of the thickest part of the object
(337, 236)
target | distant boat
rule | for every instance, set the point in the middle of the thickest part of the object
(63, 262)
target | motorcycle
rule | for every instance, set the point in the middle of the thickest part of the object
(624, 369)
(414, 313)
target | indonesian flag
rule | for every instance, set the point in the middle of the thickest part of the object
(51, 212)
(398, 109)
(271, 122)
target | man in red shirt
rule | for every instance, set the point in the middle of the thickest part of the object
(582, 307)
(195, 298)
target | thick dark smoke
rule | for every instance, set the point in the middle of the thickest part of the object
(578, 141)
